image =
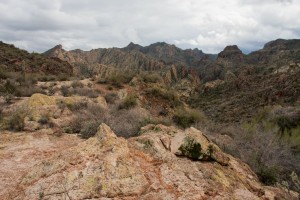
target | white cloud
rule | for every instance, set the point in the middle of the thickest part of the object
(209, 25)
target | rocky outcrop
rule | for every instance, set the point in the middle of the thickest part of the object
(149, 166)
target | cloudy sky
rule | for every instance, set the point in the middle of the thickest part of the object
(210, 25)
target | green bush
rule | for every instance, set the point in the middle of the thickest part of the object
(129, 102)
(191, 148)
(268, 175)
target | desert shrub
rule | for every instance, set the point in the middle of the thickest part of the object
(96, 110)
(63, 77)
(129, 102)
(8, 87)
(111, 97)
(46, 78)
(3, 74)
(191, 148)
(31, 78)
(87, 92)
(52, 91)
(268, 175)
(76, 124)
(101, 81)
(28, 91)
(156, 120)
(89, 129)
(187, 117)
(109, 87)
(77, 84)
(44, 119)
(271, 158)
(80, 105)
(169, 95)
(151, 78)
(295, 182)
(117, 79)
(126, 123)
(16, 121)
(285, 118)
(87, 117)
(65, 90)
(8, 98)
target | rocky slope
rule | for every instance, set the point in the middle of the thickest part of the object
(14, 59)
(247, 83)
(105, 62)
(230, 88)
(162, 163)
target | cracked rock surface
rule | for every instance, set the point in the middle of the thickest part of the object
(150, 166)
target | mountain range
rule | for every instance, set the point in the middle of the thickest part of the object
(153, 122)
(230, 86)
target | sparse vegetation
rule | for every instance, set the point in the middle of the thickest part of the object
(165, 94)
(271, 157)
(187, 117)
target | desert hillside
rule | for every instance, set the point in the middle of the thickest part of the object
(153, 122)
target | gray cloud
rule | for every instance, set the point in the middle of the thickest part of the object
(210, 25)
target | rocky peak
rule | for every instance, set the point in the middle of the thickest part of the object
(132, 46)
(58, 47)
(55, 51)
(231, 52)
(232, 49)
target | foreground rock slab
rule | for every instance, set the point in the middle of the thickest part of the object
(152, 166)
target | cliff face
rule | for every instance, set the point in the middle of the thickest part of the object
(162, 163)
